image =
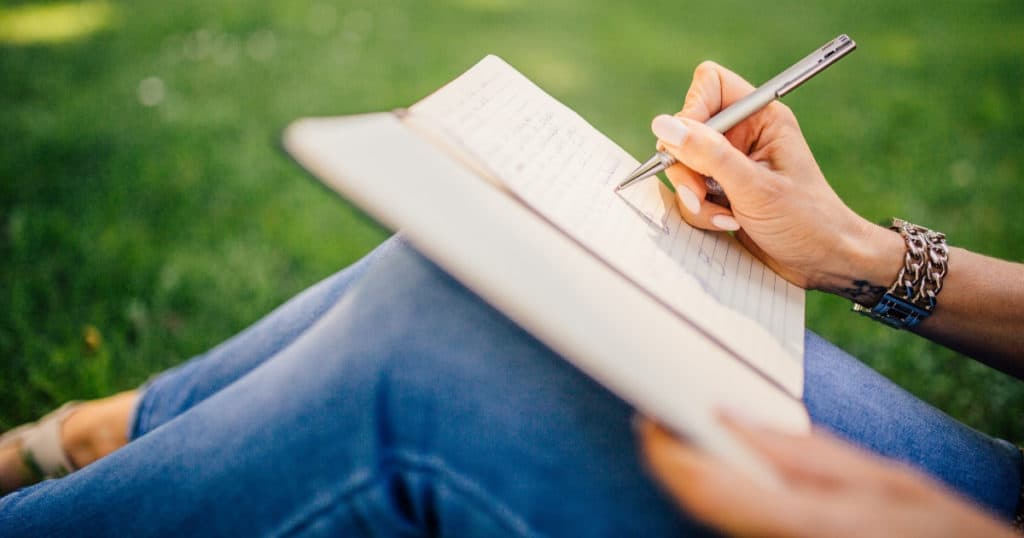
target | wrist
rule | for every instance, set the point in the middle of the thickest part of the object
(867, 260)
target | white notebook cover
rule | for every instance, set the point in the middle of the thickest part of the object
(542, 279)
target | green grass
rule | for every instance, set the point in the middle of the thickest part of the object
(132, 236)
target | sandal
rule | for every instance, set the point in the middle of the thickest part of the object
(42, 450)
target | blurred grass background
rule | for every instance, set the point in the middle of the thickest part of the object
(147, 212)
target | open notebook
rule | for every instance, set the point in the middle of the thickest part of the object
(513, 193)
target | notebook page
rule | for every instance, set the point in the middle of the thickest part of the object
(566, 170)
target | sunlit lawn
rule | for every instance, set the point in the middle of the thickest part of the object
(147, 212)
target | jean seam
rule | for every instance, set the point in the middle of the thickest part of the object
(465, 487)
(434, 468)
(328, 505)
(140, 416)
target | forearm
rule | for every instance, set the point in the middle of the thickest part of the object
(979, 311)
(979, 308)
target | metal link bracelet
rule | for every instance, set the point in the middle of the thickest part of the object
(913, 296)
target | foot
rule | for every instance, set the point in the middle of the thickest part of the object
(98, 427)
(92, 430)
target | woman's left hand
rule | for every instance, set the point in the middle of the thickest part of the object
(827, 488)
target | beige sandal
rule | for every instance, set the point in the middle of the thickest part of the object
(41, 448)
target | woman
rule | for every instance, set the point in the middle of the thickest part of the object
(390, 400)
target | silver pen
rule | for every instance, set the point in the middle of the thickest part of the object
(780, 85)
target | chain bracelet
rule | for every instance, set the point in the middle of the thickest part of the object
(912, 297)
(925, 264)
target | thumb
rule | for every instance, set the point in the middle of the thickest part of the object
(705, 151)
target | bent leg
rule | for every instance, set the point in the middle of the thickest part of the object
(410, 406)
(859, 404)
(178, 389)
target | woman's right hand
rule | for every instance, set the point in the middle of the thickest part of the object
(782, 208)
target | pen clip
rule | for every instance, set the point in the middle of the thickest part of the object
(820, 59)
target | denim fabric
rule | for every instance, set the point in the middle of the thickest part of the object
(855, 402)
(167, 396)
(388, 400)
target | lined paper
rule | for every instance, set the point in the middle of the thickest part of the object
(548, 156)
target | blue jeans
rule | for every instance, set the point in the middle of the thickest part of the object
(389, 400)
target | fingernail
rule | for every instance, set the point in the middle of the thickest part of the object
(725, 222)
(669, 129)
(689, 199)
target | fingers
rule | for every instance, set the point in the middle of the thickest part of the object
(691, 192)
(715, 88)
(691, 188)
(897, 503)
(713, 491)
(712, 89)
(819, 458)
(703, 150)
(706, 152)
